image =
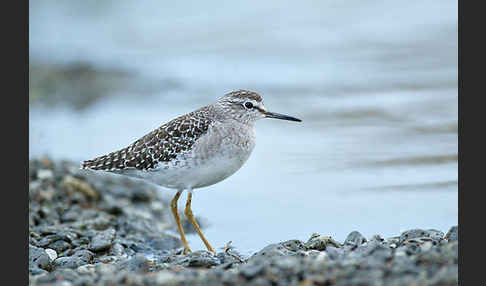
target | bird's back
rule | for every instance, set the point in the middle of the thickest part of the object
(161, 146)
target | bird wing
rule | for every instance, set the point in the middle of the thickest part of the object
(161, 145)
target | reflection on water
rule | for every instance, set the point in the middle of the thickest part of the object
(414, 187)
(375, 84)
(432, 160)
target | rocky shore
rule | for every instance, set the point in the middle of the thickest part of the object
(96, 230)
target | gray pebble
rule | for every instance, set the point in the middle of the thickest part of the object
(334, 252)
(420, 235)
(38, 258)
(138, 264)
(47, 240)
(79, 258)
(320, 242)
(230, 256)
(355, 239)
(51, 253)
(277, 249)
(251, 270)
(59, 246)
(377, 237)
(413, 233)
(294, 245)
(412, 248)
(372, 248)
(102, 241)
(117, 249)
(201, 258)
(435, 235)
(452, 234)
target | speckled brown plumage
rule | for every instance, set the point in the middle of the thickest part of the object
(160, 145)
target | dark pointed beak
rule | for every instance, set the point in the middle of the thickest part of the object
(281, 116)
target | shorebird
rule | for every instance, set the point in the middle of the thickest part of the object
(194, 150)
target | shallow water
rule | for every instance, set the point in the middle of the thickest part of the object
(375, 85)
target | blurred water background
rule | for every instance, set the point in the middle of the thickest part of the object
(375, 83)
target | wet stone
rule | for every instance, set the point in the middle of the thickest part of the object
(377, 237)
(51, 253)
(420, 235)
(49, 239)
(102, 241)
(201, 258)
(59, 246)
(79, 258)
(249, 271)
(334, 253)
(38, 259)
(412, 248)
(452, 234)
(320, 242)
(138, 264)
(277, 249)
(294, 245)
(354, 239)
(230, 257)
(435, 235)
(117, 249)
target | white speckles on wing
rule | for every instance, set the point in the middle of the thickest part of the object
(160, 145)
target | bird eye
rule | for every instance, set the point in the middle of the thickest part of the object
(248, 105)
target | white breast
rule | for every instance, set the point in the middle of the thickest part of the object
(214, 157)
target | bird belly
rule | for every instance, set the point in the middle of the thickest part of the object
(192, 173)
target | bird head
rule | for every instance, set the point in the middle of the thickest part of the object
(247, 106)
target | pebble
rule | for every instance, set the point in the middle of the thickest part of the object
(420, 235)
(119, 238)
(334, 253)
(79, 258)
(102, 241)
(38, 258)
(51, 253)
(251, 270)
(354, 239)
(452, 234)
(320, 242)
(59, 246)
(289, 247)
(138, 264)
(201, 258)
(75, 185)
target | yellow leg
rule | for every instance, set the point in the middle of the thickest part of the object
(191, 218)
(173, 206)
